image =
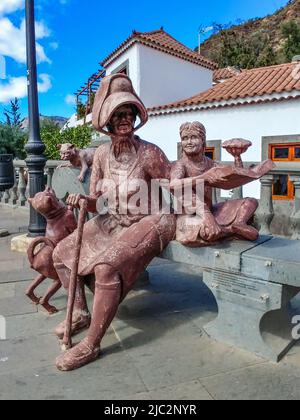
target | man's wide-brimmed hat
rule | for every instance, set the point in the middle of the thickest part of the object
(116, 90)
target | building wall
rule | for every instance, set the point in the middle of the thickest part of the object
(160, 78)
(165, 79)
(131, 56)
(251, 122)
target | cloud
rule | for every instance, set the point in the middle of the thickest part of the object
(46, 83)
(16, 87)
(13, 41)
(54, 45)
(41, 30)
(9, 6)
(70, 100)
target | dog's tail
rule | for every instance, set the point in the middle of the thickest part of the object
(37, 241)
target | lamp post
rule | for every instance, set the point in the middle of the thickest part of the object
(35, 148)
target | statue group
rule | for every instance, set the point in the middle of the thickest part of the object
(114, 248)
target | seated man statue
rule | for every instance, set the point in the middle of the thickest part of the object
(116, 246)
(228, 219)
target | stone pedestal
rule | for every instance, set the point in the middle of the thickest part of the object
(21, 243)
(295, 216)
(3, 233)
(244, 304)
(253, 284)
(265, 212)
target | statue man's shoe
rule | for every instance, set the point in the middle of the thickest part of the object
(80, 323)
(77, 357)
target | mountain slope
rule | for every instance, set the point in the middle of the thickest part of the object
(263, 36)
(59, 121)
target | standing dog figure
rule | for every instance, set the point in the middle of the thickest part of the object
(61, 222)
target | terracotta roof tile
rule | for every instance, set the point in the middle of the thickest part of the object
(250, 83)
(226, 73)
(162, 41)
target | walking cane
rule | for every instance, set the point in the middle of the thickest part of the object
(67, 340)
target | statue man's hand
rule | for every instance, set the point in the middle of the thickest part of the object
(74, 200)
(210, 231)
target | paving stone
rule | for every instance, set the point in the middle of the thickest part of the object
(30, 353)
(26, 326)
(113, 376)
(17, 305)
(7, 290)
(170, 349)
(193, 390)
(141, 396)
(156, 348)
(264, 382)
(16, 276)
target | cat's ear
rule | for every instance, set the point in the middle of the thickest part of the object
(30, 200)
(59, 146)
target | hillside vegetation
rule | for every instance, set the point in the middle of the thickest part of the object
(274, 39)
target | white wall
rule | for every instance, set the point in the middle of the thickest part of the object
(251, 122)
(132, 55)
(160, 78)
(165, 78)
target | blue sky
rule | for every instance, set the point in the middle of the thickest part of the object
(74, 36)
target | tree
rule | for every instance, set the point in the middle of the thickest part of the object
(12, 141)
(12, 137)
(291, 34)
(12, 115)
(247, 52)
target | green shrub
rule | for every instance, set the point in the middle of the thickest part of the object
(291, 34)
(52, 136)
(12, 141)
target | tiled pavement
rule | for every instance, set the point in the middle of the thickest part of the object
(155, 349)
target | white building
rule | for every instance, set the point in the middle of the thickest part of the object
(178, 85)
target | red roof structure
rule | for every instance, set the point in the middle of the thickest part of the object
(221, 75)
(250, 84)
(161, 41)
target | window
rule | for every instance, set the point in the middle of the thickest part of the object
(123, 71)
(283, 188)
(123, 68)
(210, 152)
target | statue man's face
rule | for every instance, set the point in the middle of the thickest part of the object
(192, 142)
(123, 120)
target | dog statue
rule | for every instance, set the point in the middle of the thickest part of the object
(79, 158)
(61, 222)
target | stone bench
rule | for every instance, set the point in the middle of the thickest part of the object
(253, 284)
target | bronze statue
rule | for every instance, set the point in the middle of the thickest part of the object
(79, 158)
(60, 223)
(116, 246)
(229, 219)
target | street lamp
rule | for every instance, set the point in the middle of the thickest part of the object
(35, 148)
